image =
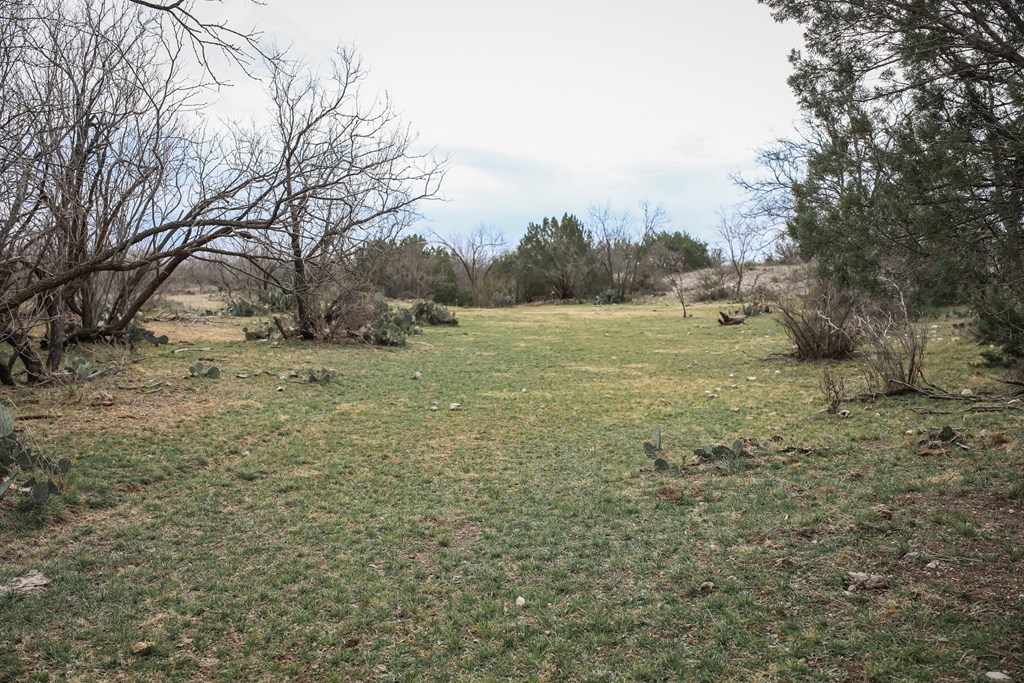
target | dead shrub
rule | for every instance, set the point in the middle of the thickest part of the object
(893, 349)
(821, 323)
(833, 385)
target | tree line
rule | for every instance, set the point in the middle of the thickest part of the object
(611, 257)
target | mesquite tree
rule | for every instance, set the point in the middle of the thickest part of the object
(344, 175)
(106, 184)
(109, 180)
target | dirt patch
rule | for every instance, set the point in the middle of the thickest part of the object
(967, 566)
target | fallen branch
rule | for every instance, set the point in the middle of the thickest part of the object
(193, 349)
(727, 319)
(37, 416)
(1010, 381)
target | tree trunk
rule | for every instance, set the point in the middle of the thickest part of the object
(22, 347)
(55, 331)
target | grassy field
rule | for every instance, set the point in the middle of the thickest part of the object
(259, 528)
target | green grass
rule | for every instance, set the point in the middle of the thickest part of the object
(348, 532)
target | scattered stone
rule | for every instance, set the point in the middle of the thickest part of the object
(997, 676)
(751, 379)
(934, 564)
(844, 413)
(32, 582)
(454, 406)
(417, 375)
(707, 587)
(520, 601)
(967, 392)
(860, 581)
(280, 388)
(433, 405)
(142, 648)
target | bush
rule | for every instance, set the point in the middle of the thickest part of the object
(1000, 322)
(895, 350)
(711, 287)
(47, 477)
(275, 300)
(134, 333)
(610, 296)
(822, 323)
(433, 313)
(451, 295)
(243, 308)
(390, 326)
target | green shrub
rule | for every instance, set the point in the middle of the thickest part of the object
(390, 326)
(433, 313)
(275, 300)
(610, 296)
(1000, 322)
(47, 478)
(134, 334)
(198, 369)
(243, 308)
(712, 288)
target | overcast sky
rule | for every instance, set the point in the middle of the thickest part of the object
(548, 106)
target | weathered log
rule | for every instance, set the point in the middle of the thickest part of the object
(727, 319)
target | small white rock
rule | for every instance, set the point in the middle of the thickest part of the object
(280, 388)
(520, 601)
(707, 587)
(417, 375)
(997, 676)
(751, 379)
(454, 406)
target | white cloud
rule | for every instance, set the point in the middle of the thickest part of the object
(545, 106)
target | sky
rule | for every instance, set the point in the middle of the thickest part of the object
(548, 107)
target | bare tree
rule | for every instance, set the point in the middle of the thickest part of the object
(743, 238)
(344, 174)
(476, 253)
(238, 46)
(106, 188)
(622, 243)
(109, 183)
